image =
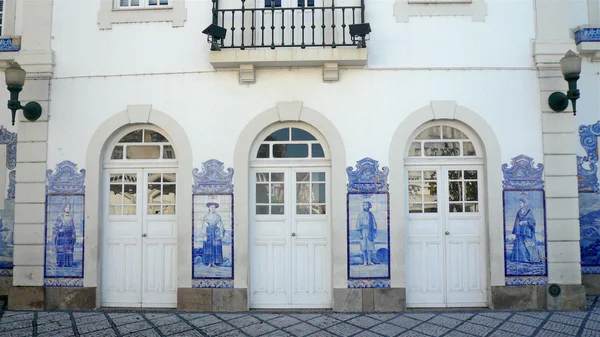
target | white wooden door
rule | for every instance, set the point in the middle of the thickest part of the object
(290, 263)
(446, 253)
(139, 259)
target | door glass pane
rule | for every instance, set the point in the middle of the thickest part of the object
(471, 191)
(454, 175)
(117, 152)
(116, 195)
(415, 208)
(430, 208)
(130, 194)
(318, 193)
(471, 174)
(169, 177)
(290, 150)
(168, 194)
(302, 209)
(281, 134)
(262, 177)
(143, 152)
(414, 175)
(318, 176)
(154, 137)
(430, 133)
(430, 191)
(262, 193)
(263, 151)
(130, 178)
(317, 151)
(153, 210)
(168, 152)
(262, 209)
(277, 209)
(132, 137)
(415, 192)
(276, 176)
(299, 134)
(154, 194)
(129, 210)
(415, 149)
(302, 176)
(115, 209)
(154, 177)
(454, 191)
(471, 208)
(302, 193)
(443, 149)
(449, 132)
(429, 175)
(116, 178)
(318, 209)
(168, 209)
(468, 149)
(454, 208)
(277, 193)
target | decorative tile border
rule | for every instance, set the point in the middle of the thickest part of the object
(369, 284)
(524, 204)
(587, 35)
(212, 226)
(63, 282)
(65, 226)
(526, 281)
(367, 225)
(590, 270)
(8, 44)
(588, 176)
(7, 214)
(212, 283)
(12, 182)
(6, 272)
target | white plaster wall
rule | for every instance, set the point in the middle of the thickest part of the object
(81, 49)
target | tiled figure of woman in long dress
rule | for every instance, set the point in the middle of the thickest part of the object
(525, 247)
(213, 230)
(63, 237)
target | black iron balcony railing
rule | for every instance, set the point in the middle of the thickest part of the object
(276, 27)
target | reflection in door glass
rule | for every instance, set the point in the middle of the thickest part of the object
(318, 209)
(471, 174)
(454, 191)
(302, 209)
(262, 209)
(471, 191)
(318, 176)
(318, 193)
(154, 194)
(454, 174)
(302, 176)
(277, 193)
(455, 207)
(276, 176)
(262, 193)
(302, 193)
(168, 194)
(277, 209)
(262, 177)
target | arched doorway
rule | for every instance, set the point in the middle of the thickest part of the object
(139, 236)
(446, 250)
(290, 227)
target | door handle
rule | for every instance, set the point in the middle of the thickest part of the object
(447, 233)
(144, 235)
(293, 234)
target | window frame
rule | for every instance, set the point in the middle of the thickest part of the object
(111, 13)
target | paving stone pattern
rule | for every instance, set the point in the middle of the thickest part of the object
(317, 324)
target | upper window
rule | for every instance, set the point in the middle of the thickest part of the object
(441, 141)
(290, 143)
(143, 144)
(141, 3)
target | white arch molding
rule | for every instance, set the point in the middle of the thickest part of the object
(99, 143)
(289, 112)
(446, 110)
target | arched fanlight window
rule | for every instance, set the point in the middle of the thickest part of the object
(441, 141)
(143, 144)
(290, 142)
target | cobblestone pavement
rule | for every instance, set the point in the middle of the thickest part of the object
(321, 324)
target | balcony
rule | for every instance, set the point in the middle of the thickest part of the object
(288, 33)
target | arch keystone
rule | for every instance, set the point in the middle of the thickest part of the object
(139, 113)
(289, 111)
(443, 109)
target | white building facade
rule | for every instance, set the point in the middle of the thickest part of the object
(287, 168)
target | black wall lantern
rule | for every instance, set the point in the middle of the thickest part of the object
(359, 32)
(571, 68)
(214, 34)
(15, 78)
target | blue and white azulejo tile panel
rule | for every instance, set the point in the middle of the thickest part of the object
(525, 255)
(368, 221)
(589, 199)
(64, 252)
(7, 213)
(212, 232)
